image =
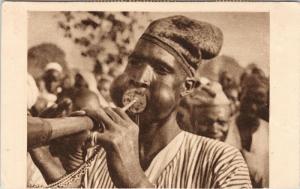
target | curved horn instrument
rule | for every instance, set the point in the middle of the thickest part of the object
(41, 130)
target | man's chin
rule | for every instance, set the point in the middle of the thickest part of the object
(249, 116)
(218, 137)
(140, 118)
(247, 120)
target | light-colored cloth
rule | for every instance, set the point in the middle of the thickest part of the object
(54, 66)
(258, 157)
(32, 91)
(49, 97)
(188, 161)
(233, 137)
(34, 176)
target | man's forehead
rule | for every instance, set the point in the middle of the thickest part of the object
(147, 51)
(218, 110)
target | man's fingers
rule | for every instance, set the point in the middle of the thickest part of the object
(113, 115)
(103, 139)
(77, 113)
(64, 104)
(56, 110)
(122, 114)
(100, 116)
(48, 112)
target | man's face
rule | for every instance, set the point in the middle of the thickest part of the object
(233, 96)
(52, 81)
(68, 81)
(154, 69)
(103, 87)
(254, 101)
(80, 82)
(212, 122)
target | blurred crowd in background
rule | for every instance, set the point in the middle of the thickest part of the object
(238, 113)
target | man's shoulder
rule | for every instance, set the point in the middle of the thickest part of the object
(264, 125)
(224, 161)
(213, 149)
(206, 142)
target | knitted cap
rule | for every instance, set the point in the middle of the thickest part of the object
(188, 40)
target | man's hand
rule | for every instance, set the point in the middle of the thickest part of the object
(120, 141)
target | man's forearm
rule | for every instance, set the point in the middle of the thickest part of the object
(50, 170)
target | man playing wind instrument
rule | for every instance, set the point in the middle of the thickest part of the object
(152, 151)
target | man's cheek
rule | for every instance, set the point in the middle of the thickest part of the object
(224, 129)
(162, 99)
(53, 87)
(201, 128)
(117, 89)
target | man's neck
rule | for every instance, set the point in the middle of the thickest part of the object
(155, 137)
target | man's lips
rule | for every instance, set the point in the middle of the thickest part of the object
(215, 135)
(137, 94)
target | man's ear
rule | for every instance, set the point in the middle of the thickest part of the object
(189, 85)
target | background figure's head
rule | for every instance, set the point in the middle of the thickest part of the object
(52, 77)
(84, 98)
(68, 80)
(212, 122)
(80, 82)
(231, 90)
(206, 113)
(254, 96)
(164, 62)
(86, 80)
(103, 86)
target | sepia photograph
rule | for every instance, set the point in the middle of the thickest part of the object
(185, 95)
(139, 99)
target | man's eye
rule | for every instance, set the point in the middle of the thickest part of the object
(221, 122)
(207, 121)
(135, 63)
(161, 70)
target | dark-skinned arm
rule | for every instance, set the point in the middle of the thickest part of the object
(50, 169)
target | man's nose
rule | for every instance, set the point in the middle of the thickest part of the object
(254, 107)
(143, 76)
(215, 127)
